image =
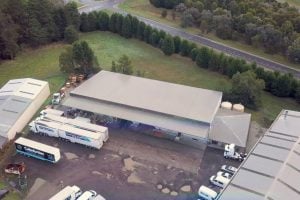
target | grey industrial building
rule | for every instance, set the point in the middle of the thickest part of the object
(272, 170)
(19, 101)
(190, 113)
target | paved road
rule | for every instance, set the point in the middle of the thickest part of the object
(92, 5)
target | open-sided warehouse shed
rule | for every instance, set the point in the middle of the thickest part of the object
(19, 101)
(182, 109)
(272, 169)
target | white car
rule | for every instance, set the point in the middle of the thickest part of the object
(224, 174)
(229, 169)
(219, 181)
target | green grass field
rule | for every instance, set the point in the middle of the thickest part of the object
(145, 9)
(42, 63)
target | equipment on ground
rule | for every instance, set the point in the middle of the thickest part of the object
(230, 152)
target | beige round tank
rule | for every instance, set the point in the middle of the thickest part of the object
(68, 84)
(226, 105)
(238, 107)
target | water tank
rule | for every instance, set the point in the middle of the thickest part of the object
(226, 105)
(238, 107)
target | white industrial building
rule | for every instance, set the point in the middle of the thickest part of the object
(272, 169)
(19, 101)
(191, 114)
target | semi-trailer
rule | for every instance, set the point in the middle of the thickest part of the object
(78, 124)
(68, 193)
(66, 132)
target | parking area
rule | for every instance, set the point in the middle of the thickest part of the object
(130, 166)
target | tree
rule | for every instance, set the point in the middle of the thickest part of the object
(92, 21)
(177, 43)
(119, 22)
(147, 33)
(103, 21)
(168, 46)
(164, 13)
(247, 89)
(185, 48)
(282, 86)
(71, 34)
(223, 26)
(113, 22)
(297, 93)
(84, 23)
(140, 30)
(187, 19)
(127, 27)
(72, 15)
(123, 65)
(8, 37)
(66, 61)
(294, 51)
(203, 57)
(84, 59)
(154, 39)
(134, 26)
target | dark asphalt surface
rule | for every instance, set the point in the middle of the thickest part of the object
(92, 5)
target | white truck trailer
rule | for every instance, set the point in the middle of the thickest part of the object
(78, 124)
(66, 132)
(68, 193)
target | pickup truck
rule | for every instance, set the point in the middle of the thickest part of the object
(17, 169)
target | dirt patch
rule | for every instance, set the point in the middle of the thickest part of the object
(133, 178)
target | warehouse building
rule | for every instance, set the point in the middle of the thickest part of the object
(19, 101)
(187, 112)
(272, 169)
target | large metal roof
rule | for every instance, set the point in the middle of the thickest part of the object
(191, 127)
(272, 170)
(230, 127)
(15, 96)
(152, 95)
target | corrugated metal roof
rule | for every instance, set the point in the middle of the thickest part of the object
(157, 96)
(190, 127)
(15, 96)
(230, 127)
(272, 170)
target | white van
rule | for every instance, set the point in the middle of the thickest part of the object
(88, 195)
(219, 181)
(206, 193)
(77, 191)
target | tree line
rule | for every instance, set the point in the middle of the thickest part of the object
(266, 24)
(32, 23)
(282, 85)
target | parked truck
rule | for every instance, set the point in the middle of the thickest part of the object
(230, 152)
(66, 132)
(68, 193)
(78, 124)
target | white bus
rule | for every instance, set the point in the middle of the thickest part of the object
(37, 150)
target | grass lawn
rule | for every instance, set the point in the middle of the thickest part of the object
(145, 9)
(40, 63)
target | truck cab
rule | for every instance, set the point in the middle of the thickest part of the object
(230, 152)
(56, 98)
